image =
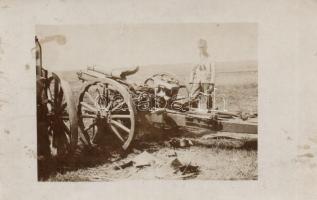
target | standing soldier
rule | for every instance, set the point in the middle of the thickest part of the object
(202, 78)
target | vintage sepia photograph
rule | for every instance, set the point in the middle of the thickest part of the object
(173, 101)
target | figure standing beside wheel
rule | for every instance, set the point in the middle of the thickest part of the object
(202, 78)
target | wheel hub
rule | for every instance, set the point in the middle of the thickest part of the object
(104, 114)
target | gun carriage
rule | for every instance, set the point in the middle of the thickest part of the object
(111, 104)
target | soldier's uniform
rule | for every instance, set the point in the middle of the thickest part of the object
(202, 79)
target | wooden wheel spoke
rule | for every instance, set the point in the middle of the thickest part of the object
(97, 90)
(90, 97)
(68, 135)
(66, 129)
(117, 106)
(56, 91)
(86, 137)
(88, 116)
(60, 97)
(109, 105)
(89, 107)
(49, 94)
(89, 127)
(116, 132)
(119, 125)
(104, 89)
(121, 116)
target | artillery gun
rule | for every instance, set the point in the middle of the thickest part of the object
(108, 103)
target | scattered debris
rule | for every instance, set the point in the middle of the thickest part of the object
(189, 170)
(142, 166)
(144, 159)
(180, 143)
(115, 157)
(172, 155)
(123, 166)
(176, 164)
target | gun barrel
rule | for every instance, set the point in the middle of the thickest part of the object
(84, 76)
(94, 69)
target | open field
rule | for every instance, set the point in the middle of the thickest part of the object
(217, 159)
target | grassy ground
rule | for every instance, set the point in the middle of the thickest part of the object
(239, 97)
(214, 164)
(217, 159)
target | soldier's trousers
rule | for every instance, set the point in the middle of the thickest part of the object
(205, 99)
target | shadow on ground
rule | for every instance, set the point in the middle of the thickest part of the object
(151, 141)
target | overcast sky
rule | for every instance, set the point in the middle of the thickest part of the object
(143, 44)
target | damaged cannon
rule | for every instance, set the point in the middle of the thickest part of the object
(109, 103)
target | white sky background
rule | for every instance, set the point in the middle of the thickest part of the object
(124, 45)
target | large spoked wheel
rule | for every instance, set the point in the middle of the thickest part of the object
(105, 106)
(61, 123)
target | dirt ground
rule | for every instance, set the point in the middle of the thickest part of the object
(154, 156)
